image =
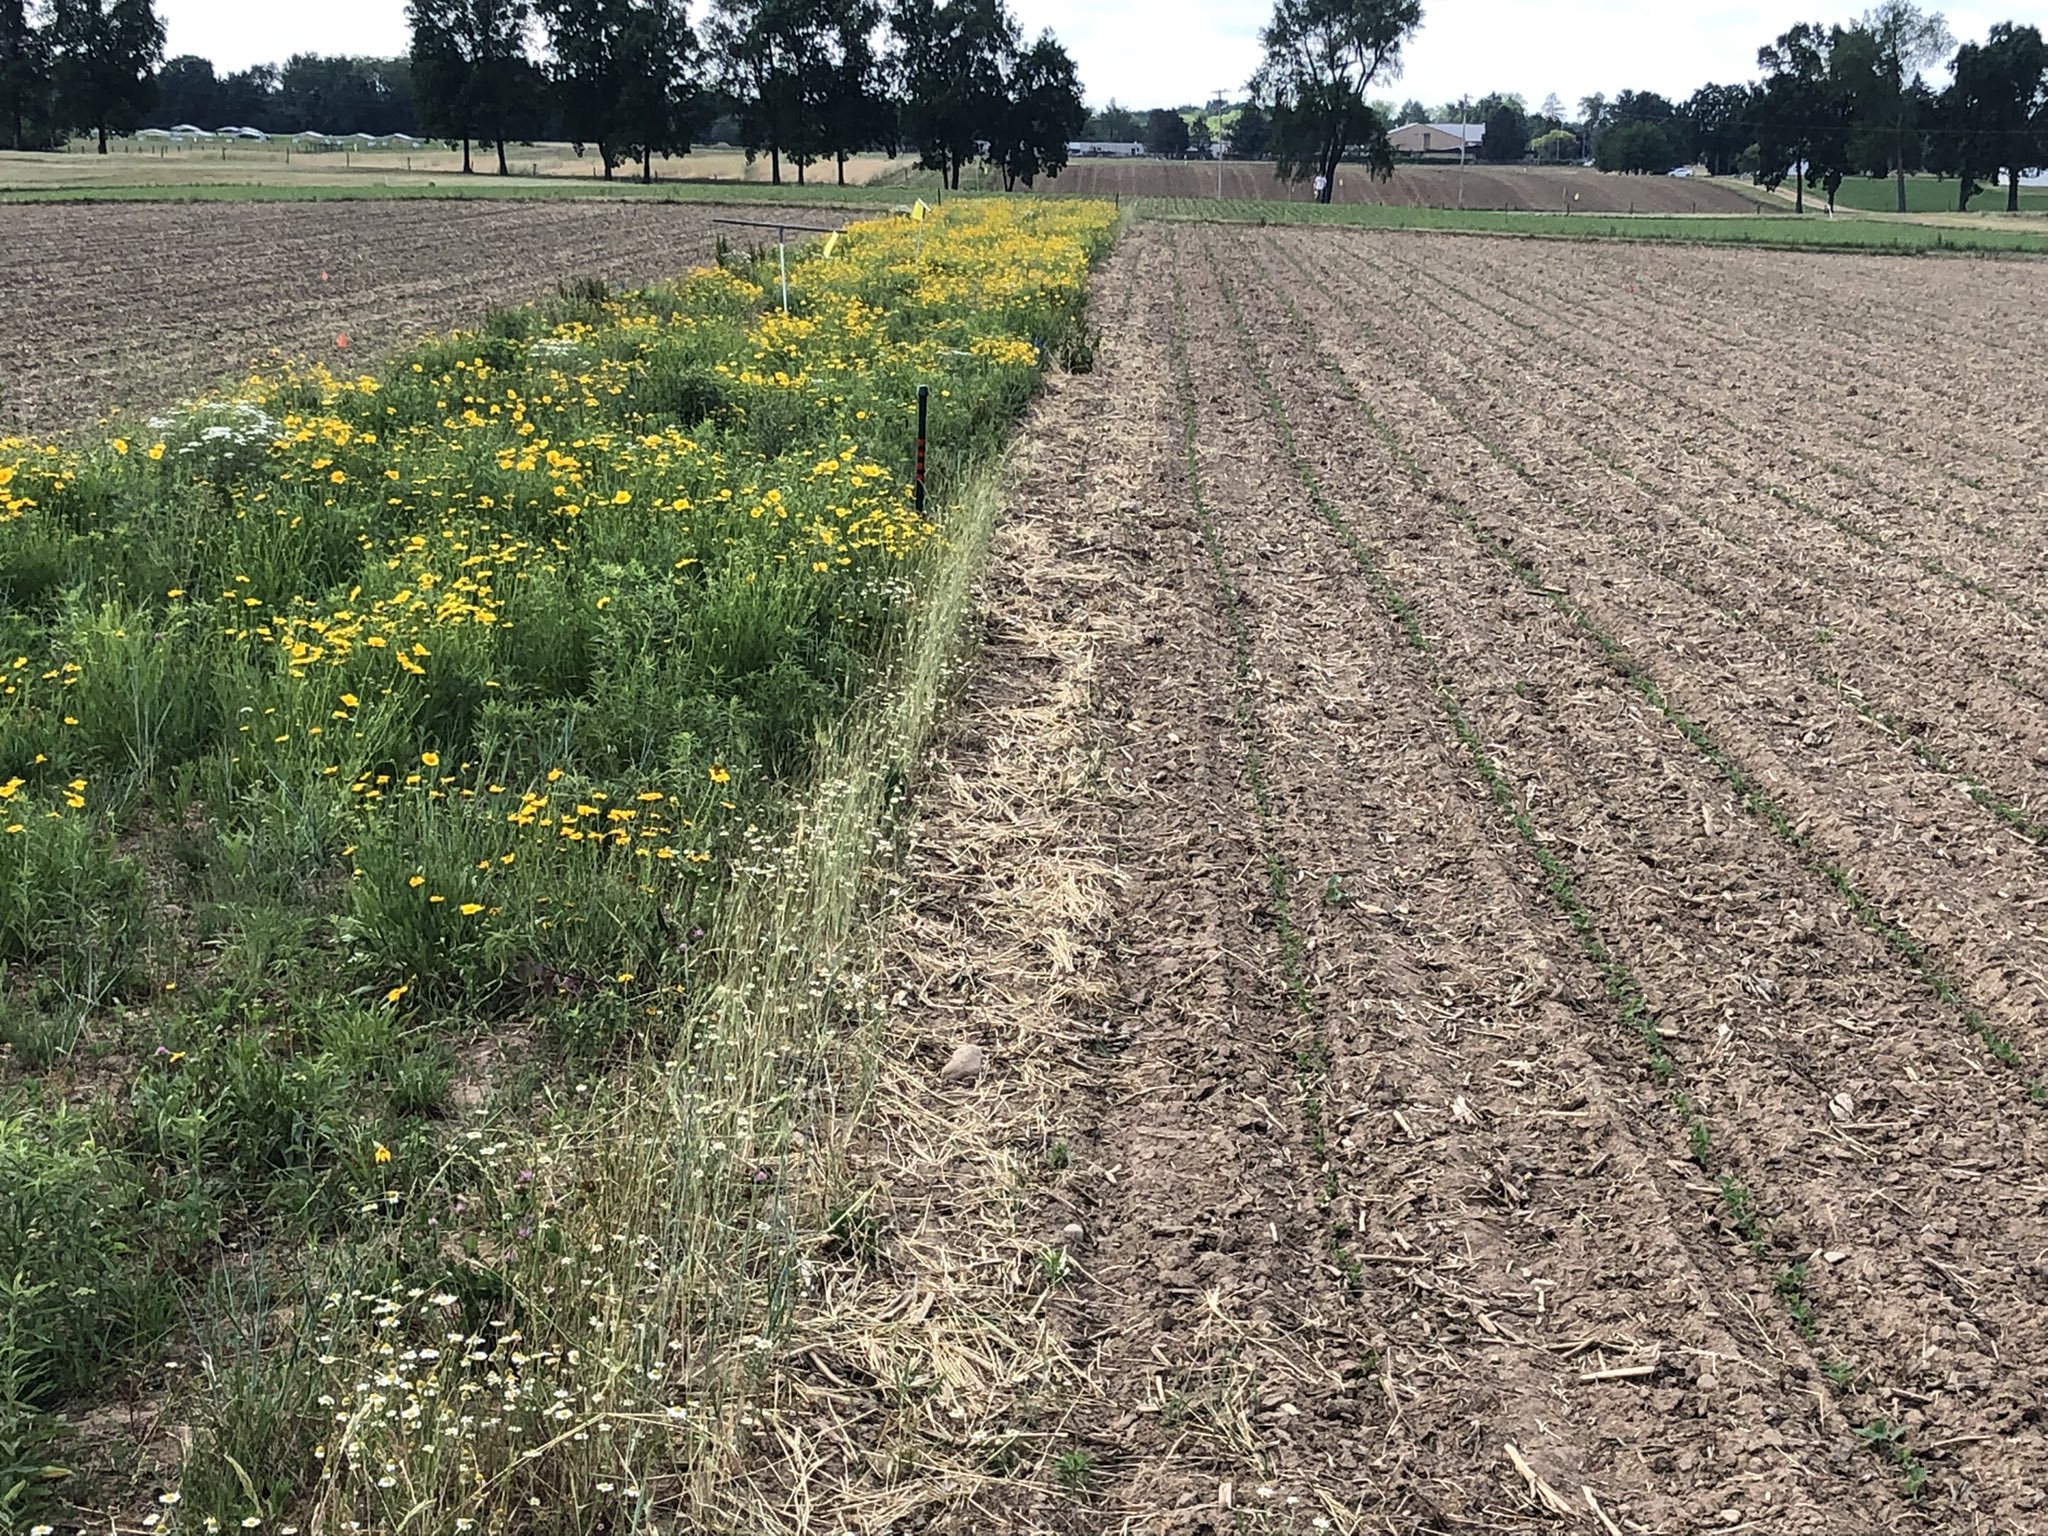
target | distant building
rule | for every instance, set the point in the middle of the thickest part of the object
(1095, 149)
(1437, 141)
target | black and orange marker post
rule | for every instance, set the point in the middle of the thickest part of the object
(924, 403)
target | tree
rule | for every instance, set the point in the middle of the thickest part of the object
(765, 50)
(1321, 56)
(1555, 147)
(1719, 120)
(852, 106)
(104, 55)
(471, 70)
(1995, 110)
(951, 61)
(1115, 125)
(1593, 115)
(1412, 111)
(1801, 113)
(1506, 141)
(1251, 136)
(24, 77)
(587, 45)
(1878, 62)
(246, 97)
(1201, 138)
(1639, 147)
(1166, 133)
(1552, 111)
(1042, 111)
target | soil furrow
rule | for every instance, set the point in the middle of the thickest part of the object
(135, 306)
(1448, 1064)
(1876, 389)
(1229, 1354)
(2003, 743)
(1613, 834)
(1908, 547)
(1957, 889)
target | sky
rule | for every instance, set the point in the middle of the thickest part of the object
(1148, 53)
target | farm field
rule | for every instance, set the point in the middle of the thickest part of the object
(1544, 1030)
(133, 305)
(1468, 960)
(1479, 187)
(137, 162)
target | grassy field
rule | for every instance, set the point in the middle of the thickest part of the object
(441, 802)
(1926, 194)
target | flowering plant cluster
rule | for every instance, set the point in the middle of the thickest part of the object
(352, 717)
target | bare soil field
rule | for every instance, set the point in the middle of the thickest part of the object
(137, 162)
(1525, 188)
(118, 306)
(1501, 886)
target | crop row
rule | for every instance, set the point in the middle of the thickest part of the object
(1745, 1204)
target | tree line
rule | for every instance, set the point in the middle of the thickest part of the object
(1853, 98)
(800, 82)
(86, 65)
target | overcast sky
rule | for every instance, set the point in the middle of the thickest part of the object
(1164, 52)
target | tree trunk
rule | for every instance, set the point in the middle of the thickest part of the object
(842, 167)
(775, 164)
(468, 169)
(2012, 189)
(647, 165)
(503, 168)
(1899, 165)
(799, 173)
(1799, 187)
(1963, 194)
(103, 138)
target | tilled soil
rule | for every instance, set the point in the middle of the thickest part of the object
(1574, 1044)
(1530, 189)
(133, 305)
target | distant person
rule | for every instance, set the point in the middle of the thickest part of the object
(1322, 185)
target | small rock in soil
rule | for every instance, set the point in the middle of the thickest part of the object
(964, 1066)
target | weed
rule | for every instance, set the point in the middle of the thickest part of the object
(1054, 1267)
(1075, 1469)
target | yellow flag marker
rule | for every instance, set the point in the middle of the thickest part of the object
(831, 242)
(918, 211)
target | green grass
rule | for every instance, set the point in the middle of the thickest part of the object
(1773, 231)
(1926, 194)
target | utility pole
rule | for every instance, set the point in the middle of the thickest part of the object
(1464, 113)
(1215, 149)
